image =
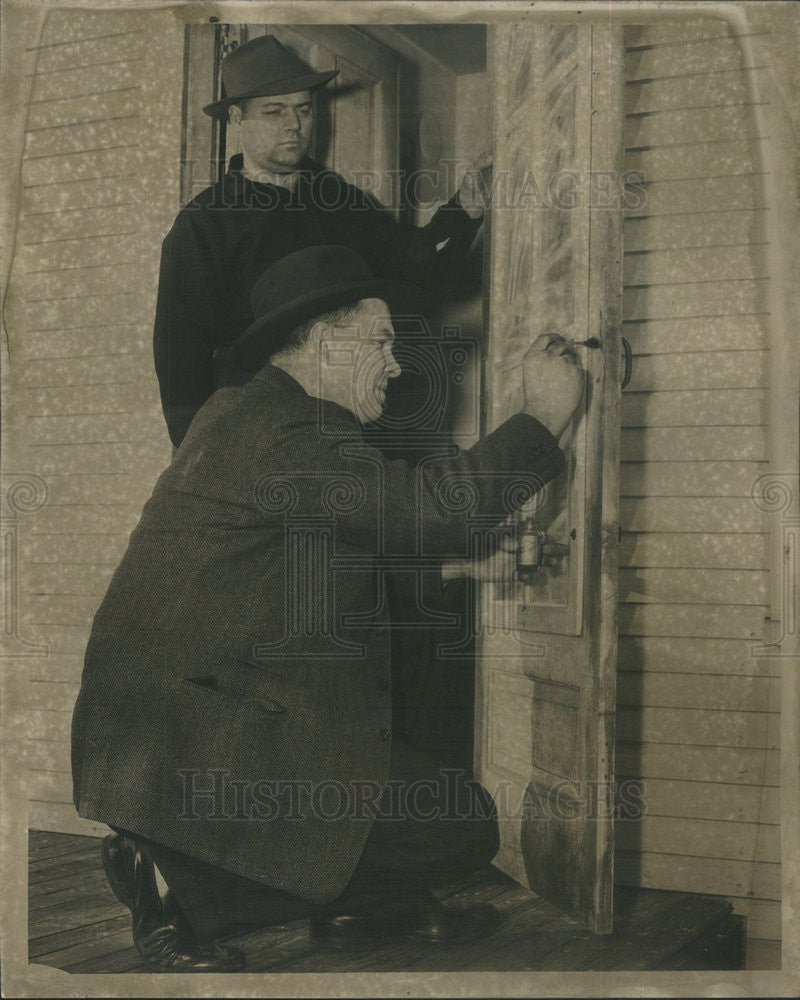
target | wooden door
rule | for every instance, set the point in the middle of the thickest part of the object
(547, 644)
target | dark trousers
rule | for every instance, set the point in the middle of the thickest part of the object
(434, 825)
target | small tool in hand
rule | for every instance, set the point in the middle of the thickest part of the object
(591, 342)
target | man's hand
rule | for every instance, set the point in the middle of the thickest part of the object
(552, 380)
(501, 565)
(473, 191)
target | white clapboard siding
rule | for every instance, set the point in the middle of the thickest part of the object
(662, 688)
(719, 876)
(698, 726)
(718, 802)
(714, 230)
(698, 723)
(684, 478)
(47, 694)
(701, 838)
(99, 190)
(698, 549)
(693, 407)
(652, 655)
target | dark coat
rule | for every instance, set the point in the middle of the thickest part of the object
(230, 233)
(243, 638)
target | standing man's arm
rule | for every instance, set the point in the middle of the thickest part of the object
(452, 229)
(187, 322)
(424, 255)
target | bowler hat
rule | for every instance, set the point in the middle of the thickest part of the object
(261, 68)
(305, 284)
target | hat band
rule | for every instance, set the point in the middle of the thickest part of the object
(344, 286)
(274, 86)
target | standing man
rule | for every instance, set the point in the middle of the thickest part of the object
(234, 718)
(274, 200)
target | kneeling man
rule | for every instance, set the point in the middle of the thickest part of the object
(234, 720)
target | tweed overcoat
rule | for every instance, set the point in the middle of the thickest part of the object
(235, 703)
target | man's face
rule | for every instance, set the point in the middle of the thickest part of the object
(357, 360)
(276, 131)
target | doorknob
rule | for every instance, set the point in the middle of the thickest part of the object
(627, 354)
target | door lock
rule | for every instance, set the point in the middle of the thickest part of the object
(627, 355)
(530, 543)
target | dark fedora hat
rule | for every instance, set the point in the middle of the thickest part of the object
(305, 284)
(261, 68)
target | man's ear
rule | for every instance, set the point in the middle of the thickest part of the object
(319, 331)
(234, 114)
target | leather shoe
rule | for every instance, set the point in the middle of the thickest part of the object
(418, 915)
(160, 931)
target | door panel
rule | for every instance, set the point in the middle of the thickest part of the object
(547, 644)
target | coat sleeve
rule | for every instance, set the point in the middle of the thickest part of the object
(390, 507)
(422, 255)
(186, 321)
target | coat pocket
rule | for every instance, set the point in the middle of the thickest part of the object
(210, 683)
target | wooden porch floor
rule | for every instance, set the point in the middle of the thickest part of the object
(76, 924)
